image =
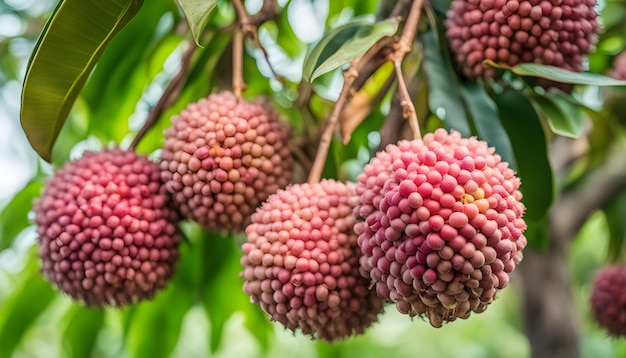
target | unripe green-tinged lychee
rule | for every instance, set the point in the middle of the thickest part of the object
(608, 299)
(106, 230)
(441, 225)
(222, 157)
(510, 32)
(301, 261)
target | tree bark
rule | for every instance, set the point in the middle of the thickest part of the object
(550, 320)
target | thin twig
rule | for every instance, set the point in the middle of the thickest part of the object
(403, 47)
(242, 15)
(238, 82)
(249, 27)
(399, 8)
(327, 135)
(408, 109)
(169, 95)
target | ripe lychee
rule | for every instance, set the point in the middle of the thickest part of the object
(441, 225)
(222, 157)
(510, 32)
(608, 299)
(301, 261)
(106, 230)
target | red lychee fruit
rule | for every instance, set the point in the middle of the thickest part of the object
(301, 262)
(222, 157)
(106, 231)
(608, 299)
(550, 32)
(441, 225)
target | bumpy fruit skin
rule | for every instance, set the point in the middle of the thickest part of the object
(441, 225)
(509, 32)
(222, 157)
(108, 235)
(301, 262)
(608, 299)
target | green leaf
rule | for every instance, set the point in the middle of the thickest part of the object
(197, 13)
(81, 332)
(614, 211)
(155, 326)
(559, 74)
(564, 117)
(524, 128)
(222, 290)
(344, 44)
(14, 216)
(21, 309)
(487, 122)
(71, 43)
(444, 93)
(131, 62)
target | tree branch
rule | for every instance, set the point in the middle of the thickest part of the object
(169, 95)
(403, 47)
(574, 205)
(327, 135)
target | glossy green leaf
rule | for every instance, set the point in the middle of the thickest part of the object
(81, 333)
(559, 74)
(14, 216)
(71, 43)
(155, 326)
(564, 117)
(344, 44)
(222, 290)
(487, 122)
(197, 13)
(444, 93)
(21, 309)
(524, 128)
(614, 211)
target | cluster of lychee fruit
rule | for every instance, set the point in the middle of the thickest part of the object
(108, 222)
(432, 225)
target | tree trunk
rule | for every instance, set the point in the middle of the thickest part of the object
(550, 320)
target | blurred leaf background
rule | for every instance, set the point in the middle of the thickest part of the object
(204, 311)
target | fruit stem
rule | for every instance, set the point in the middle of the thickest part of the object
(327, 135)
(402, 48)
(238, 83)
(249, 27)
(408, 109)
(170, 94)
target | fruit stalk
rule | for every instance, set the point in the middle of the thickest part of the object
(404, 46)
(239, 84)
(327, 135)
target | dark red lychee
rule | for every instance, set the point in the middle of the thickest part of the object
(106, 230)
(441, 225)
(222, 157)
(510, 32)
(608, 299)
(301, 262)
